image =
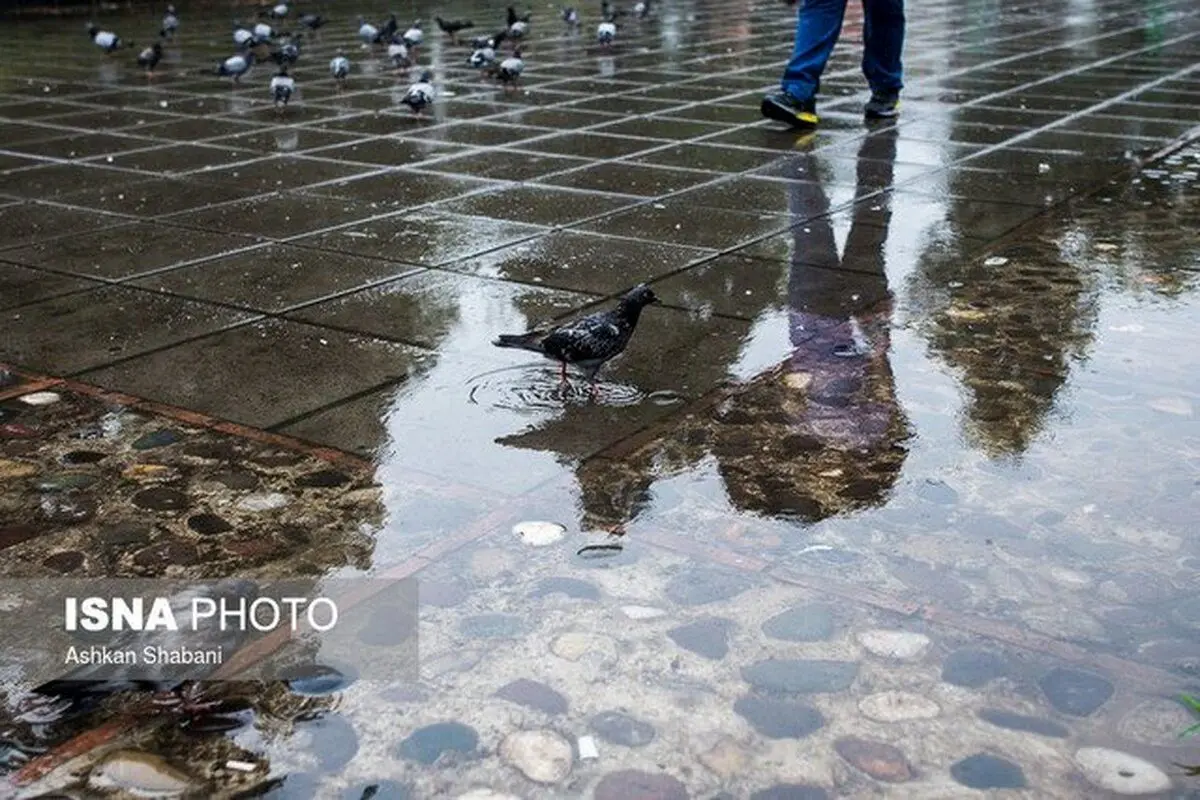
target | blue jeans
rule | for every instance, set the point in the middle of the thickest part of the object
(817, 28)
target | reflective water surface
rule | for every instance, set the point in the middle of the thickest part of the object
(893, 495)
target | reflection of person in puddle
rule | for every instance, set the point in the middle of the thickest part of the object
(836, 444)
(818, 435)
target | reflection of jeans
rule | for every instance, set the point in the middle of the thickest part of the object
(817, 28)
(839, 312)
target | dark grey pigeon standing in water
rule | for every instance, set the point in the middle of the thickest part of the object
(590, 341)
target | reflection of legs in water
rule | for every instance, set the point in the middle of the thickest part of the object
(840, 311)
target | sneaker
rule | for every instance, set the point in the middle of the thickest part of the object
(783, 108)
(882, 106)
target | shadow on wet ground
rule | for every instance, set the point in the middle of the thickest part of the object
(892, 496)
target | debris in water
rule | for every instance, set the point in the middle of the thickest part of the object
(539, 534)
(1043, 168)
(587, 748)
(241, 766)
(1106, 247)
(995, 261)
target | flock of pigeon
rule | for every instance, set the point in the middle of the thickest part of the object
(253, 42)
(587, 343)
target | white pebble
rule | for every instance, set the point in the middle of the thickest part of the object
(40, 398)
(1121, 772)
(642, 612)
(263, 502)
(539, 534)
(898, 645)
(240, 766)
(995, 261)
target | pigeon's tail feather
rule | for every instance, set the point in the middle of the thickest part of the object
(521, 341)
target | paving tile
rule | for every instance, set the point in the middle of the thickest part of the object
(21, 285)
(537, 205)
(152, 197)
(276, 383)
(274, 277)
(622, 178)
(34, 222)
(83, 331)
(127, 250)
(582, 262)
(276, 216)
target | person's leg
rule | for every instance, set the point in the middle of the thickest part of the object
(817, 28)
(883, 40)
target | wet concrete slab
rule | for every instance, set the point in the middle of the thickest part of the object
(831, 526)
(430, 238)
(126, 251)
(279, 387)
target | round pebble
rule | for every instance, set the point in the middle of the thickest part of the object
(812, 622)
(1156, 722)
(11, 470)
(41, 398)
(65, 561)
(708, 638)
(267, 501)
(798, 675)
(569, 587)
(972, 667)
(779, 719)
(323, 479)
(542, 756)
(160, 498)
(791, 791)
(705, 585)
(156, 439)
(633, 784)
(986, 771)
(619, 728)
(65, 482)
(166, 553)
(895, 706)
(1119, 772)
(539, 534)
(897, 645)
(642, 612)
(425, 745)
(880, 760)
(69, 509)
(532, 694)
(208, 524)
(575, 645)
(1075, 692)
(1020, 722)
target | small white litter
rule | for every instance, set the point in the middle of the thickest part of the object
(587, 748)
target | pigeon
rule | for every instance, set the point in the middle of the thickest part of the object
(510, 69)
(170, 23)
(606, 33)
(517, 26)
(590, 341)
(413, 36)
(278, 11)
(387, 31)
(312, 21)
(452, 27)
(571, 17)
(420, 94)
(641, 8)
(148, 59)
(492, 41)
(367, 32)
(282, 86)
(288, 52)
(242, 36)
(482, 58)
(105, 40)
(236, 66)
(339, 68)
(263, 33)
(397, 53)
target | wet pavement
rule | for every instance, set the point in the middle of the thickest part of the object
(894, 495)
